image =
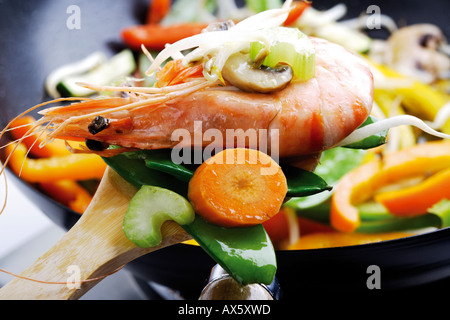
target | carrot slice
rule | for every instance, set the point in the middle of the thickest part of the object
(238, 187)
(416, 200)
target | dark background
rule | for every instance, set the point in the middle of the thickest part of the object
(34, 41)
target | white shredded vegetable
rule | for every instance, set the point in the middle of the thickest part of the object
(217, 46)
(441, 118)
(227, 9)
(385, 124)
(313, 19)
(205, 40)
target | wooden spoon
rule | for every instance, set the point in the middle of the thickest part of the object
(95, 245)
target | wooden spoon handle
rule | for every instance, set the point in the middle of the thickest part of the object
(95, 246)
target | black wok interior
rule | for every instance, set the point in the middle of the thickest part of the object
(34, 40)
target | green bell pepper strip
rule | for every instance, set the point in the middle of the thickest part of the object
(247, 254)
(374, 211)
(437, 216)
(442, 210)
(400, 224)
(334, 164)
(373, 221)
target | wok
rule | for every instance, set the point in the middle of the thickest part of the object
(34, 40)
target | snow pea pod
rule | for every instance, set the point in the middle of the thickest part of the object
(246, 253)
(300, 182)
(372, 141)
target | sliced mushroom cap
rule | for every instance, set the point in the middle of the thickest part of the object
(241, 73)
(414, 51)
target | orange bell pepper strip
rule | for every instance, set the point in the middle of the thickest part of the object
(71, 167)
(416, 200)
(69, 193)
(361, 184)
(20, 127)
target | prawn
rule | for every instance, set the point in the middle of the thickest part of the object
(310, 116)
(306, 117)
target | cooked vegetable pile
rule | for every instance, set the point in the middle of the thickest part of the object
(389, 184)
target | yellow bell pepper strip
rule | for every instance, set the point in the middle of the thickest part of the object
(360, 185)
(337, 239)
(446, 127)
(416, 200)
(422, 100)
(419, 99)
(68, 193)
(390, 104)
(20, 127)
(71, 167)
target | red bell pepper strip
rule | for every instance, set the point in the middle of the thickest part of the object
(157, 10)
(298, 8)
(155, 36)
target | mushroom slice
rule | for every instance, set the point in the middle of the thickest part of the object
(414, 51)
(240, 72)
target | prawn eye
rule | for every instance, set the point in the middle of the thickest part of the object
(96, 145)
(98, 124)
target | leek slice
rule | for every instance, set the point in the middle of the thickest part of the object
(287, 46)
